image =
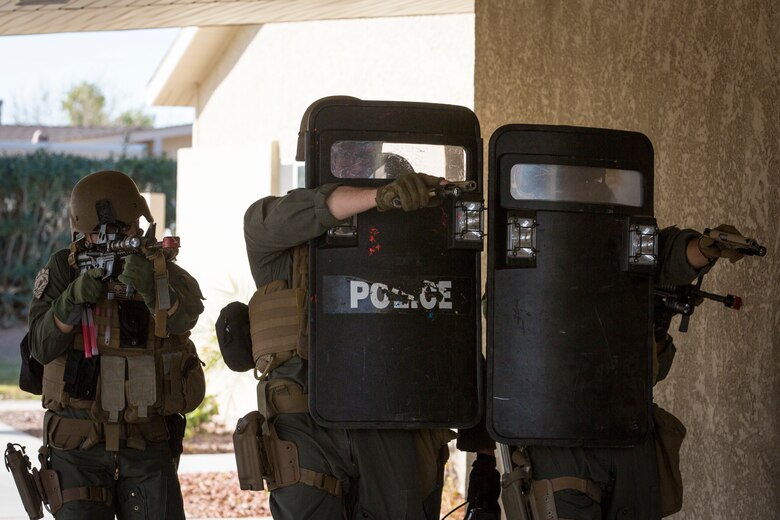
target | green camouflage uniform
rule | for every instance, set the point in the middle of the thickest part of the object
(143, 482)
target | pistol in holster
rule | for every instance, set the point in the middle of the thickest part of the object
(516, 483)
(261, 455)
(35, 487)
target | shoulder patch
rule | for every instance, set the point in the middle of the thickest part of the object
(41, 281)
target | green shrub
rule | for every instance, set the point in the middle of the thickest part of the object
(34, 193)
(201, 418)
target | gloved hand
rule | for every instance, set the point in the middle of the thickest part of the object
(87, 288)
(138, 273)
(713, 249)
(412, 189)
(484, 485)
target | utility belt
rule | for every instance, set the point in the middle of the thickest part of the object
(65, 433)
(262, 456)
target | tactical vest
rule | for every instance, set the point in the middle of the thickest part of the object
(278, 317)
(126, 382)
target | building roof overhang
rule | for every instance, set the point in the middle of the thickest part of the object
(54, 16)
(209, 25)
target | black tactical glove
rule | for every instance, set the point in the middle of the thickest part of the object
(87, 288)
(484, 486)
(138, 273)
(413, 191)
(712, 249)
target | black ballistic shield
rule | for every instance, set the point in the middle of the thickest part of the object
(571, 255)
(394, 311)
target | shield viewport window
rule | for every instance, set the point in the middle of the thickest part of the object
(385, 160)
(568, 183)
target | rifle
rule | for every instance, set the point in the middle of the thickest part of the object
(107, 253)
(683, 299)
(110, 248)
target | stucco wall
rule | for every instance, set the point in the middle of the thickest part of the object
(700, 79)
(247, 116)
(270, 74)
(256, 93)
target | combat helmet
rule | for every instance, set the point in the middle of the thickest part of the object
(127, 204)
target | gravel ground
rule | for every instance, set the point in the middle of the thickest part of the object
(217, 495)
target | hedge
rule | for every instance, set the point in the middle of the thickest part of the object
(34, 193)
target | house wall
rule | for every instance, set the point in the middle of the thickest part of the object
(171, 145)
(252, 102)
(700, 79)
(247, 116)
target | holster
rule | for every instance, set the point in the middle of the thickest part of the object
(513, 497)
(18, 463)
(51, 491)
(263, 456)
(515, 486)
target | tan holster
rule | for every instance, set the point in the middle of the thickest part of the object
(262, 455)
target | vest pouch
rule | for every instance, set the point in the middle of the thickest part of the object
(193, 380)
(54, 397)
(277, 318)
(141, 388)
(133, 323)
(173, 401)
(669, 435)
(65, 434)
(112, 386)
(30, 371)
(72, 380)
(81, 375)
(184, 381)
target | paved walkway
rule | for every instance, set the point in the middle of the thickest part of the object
(11, 505)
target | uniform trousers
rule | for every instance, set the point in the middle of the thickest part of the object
(628, 478)
(146, 485)
(385, 474)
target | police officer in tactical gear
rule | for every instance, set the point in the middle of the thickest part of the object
(338, 473)
(577, 330)
(110, 320)
(628, 482)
